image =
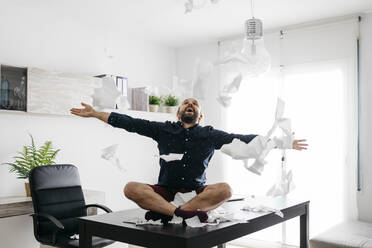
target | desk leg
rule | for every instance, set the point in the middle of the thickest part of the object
(85, 237)
(221, 245)
(304, 228)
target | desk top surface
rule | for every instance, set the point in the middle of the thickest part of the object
(117, 219)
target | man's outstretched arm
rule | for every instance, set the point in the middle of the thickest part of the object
(221, 138)
(88, 111)
(136, 125)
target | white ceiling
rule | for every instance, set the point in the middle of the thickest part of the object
(164, 21)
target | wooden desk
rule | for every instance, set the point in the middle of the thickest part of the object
(20, 205)
(111, 226)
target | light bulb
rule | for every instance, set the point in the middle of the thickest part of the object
(256, 59)
(254, 56)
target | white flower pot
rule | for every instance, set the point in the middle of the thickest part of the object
(171, 109)
(153, 108)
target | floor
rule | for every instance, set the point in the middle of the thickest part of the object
(252, 243)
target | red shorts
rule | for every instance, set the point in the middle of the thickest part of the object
(169, 193)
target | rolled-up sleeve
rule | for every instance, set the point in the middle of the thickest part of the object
(135, 125)
(220, 138)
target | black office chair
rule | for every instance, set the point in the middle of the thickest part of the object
(58, 201)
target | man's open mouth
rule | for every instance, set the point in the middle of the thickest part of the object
(189, 110)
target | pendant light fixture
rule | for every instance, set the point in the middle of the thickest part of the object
(254, 55)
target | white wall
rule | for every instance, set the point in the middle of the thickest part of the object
(365, 196)
(53, 38)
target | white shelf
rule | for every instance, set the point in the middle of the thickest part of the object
(133, 113)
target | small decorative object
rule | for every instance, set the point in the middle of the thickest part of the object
(171, 103)
(31, 157)
(13, 88)
(154, 103)
(139, 99)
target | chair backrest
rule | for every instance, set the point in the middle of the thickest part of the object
(56, 190)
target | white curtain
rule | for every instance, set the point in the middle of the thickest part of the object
(317, 80)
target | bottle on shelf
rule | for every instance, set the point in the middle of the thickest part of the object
(4, 97)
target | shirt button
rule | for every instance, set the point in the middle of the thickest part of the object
(184, 165)
(186, 139)
(185, 152)
(187, 129)
(182, 178)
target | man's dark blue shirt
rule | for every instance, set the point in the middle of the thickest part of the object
(197, 144)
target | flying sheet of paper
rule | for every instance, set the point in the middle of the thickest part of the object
(225, 95)
(240, 150)
(181, 88)
(171, 156)
(257, 149)
(190, 5)
(109, 154)
(283, 187)
(278, 115)
(260, 146)
(123, 103)
(202, 71)
(234, 86)
(106, 95)
(224, 99)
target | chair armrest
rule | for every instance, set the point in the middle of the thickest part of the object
(52, 219)
(104, 208)
(56, 222)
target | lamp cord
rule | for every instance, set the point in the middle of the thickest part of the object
(252, 9)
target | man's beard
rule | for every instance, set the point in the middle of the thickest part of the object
(189, 119)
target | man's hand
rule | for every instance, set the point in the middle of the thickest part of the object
(299, 145)
(87, 111)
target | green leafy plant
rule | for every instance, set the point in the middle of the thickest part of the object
(171, 101)
(154, 100)
(31, 157)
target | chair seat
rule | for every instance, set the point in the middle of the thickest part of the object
(64, 241)
(351, 234)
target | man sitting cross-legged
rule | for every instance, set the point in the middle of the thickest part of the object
(197, 144)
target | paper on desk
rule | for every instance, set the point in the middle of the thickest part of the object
(138, 221)
(171, 156)
(109, 154)
(215, 216)
(106, 95)
(75, 236)
(262, 209)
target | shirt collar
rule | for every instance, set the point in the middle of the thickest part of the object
(181, 125)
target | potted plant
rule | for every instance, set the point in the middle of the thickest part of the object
(154, 103)
(31, 157)
(171, 103)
